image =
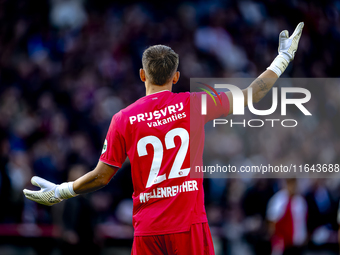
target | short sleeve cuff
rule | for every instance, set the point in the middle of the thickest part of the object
(111, 163)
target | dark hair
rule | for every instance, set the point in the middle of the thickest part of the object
(160, 63)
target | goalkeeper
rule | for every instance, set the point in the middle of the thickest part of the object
(176, 224)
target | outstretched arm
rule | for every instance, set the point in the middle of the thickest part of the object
(263, 83)
(96, 179)
(50, 193)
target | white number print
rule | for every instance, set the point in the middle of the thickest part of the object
(176, 170)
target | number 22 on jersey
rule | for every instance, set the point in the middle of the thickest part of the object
(176, 170)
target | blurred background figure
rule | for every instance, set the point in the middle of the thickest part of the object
(77, 221)
(5, 182)
(322, 211)
(287, 216)
(254, 203)
(68, 13)
(338, 221)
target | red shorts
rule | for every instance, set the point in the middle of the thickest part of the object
(196, 241)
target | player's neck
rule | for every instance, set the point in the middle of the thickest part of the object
(151, 89)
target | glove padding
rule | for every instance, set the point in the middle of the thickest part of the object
(50, 193)
(287, 48)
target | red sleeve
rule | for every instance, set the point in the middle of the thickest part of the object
(114, 152)
(217, 107)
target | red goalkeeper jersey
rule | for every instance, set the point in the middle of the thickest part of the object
(154, 132)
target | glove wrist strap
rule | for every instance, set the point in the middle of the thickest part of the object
(65, 191)
(279, 65)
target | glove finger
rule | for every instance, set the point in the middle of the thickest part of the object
(284, 34)
(30, 194)
(34, 196)
(40, 182)
(298, 29)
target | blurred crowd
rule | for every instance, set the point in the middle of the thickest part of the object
(67, 66)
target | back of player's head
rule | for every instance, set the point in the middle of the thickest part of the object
(159, 63)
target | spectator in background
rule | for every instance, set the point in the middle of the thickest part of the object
(338, 220)
(254, 205)
(68, 13)
(321, 213)
(19, 173)
(287, 216)
(5, 184)
(78, 221)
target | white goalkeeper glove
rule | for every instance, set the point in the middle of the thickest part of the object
(287, 49)
(50, 193)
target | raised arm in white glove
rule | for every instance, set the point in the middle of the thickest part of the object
(263, 83)
(287, 48)
(50, 193)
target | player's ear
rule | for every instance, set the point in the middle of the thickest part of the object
(176, 77)
(142, 75)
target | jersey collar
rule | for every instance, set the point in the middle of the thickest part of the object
(157, 92)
